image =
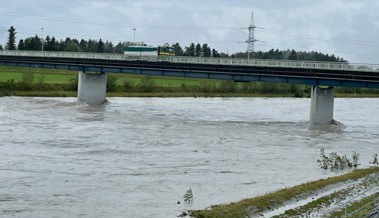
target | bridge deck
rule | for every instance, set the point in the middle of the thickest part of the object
(338, 66)
(350, 76)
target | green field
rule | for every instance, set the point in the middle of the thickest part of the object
(23, 81)
(64, 76)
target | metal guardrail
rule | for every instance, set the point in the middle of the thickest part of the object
(367, 208)
(371, 208)
(338, 66)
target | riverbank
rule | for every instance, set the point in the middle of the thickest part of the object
(18, 81)
(322, 198)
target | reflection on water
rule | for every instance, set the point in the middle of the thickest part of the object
(137, 157)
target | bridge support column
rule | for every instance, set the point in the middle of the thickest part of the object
(92, 87)
(322, 105)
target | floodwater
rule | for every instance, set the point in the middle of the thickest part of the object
(137, 157)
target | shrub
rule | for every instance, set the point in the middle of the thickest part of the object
(128, 84)
(147, 84)
(111, 83)
(337, 162)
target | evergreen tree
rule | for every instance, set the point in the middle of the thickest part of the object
(92, 46)
(198, 50)
(119, 48)
(215, 53)
(108, 47)
(100, 46)
(61, 45)
(293, 55)
(190, 51)
(51, 44)
(11, 44)
(178, 49)
(1, 47)
(83, 45)
(46, 43)
(206, 50)
(21, 45)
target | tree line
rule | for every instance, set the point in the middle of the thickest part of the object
(50, 43)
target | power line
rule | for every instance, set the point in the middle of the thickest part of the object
(319, 38)
(102, 23)
(251, 28)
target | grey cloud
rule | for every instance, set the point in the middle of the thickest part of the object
(298, 24)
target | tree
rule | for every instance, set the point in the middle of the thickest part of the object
(100, 46)
(32, 43)
(178, 49)
(215, 53)
(51, 44)
(92, 46)
(47, 42)
(83, 45)
(1, 47)
(119, 48)
(206, 50)
(108, 47)
(72, 46)
(190, 51)
(11, 44)
(21, 45)
(198, 50)
(293, 55)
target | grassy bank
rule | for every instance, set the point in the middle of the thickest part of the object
(359, 208)
(22, 81)
(276, 199)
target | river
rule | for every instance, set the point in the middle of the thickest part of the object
(137, 157)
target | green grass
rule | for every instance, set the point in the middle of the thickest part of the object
(275, 199)
(169, 86)
(64, 76)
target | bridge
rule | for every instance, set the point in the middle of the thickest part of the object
(92, 86)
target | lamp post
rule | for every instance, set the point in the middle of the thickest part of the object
(42, 39)
(134, 29)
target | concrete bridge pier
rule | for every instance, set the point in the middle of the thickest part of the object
(92, 87)
(322, 105)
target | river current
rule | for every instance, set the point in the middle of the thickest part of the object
(137, 157)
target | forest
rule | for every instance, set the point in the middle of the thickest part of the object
(50, 43)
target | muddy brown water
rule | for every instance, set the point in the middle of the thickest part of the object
(137, 157)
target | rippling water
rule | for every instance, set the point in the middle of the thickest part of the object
(137, 157)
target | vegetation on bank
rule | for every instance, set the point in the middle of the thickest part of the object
(50, 43)
(275, 199)
(47, 82)
(359, 208)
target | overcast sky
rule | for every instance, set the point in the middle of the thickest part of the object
(346, 28)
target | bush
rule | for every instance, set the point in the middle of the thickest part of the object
(337, 162)
(128, 84)
(111, 83)
(147, 84)
(9, 85)
(207, 86)
(248, 87)
(73, 84)
(227, 86)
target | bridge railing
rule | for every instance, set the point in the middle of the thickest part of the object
(204, 60)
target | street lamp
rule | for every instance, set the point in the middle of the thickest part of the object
(134, 35)
(42, 39)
